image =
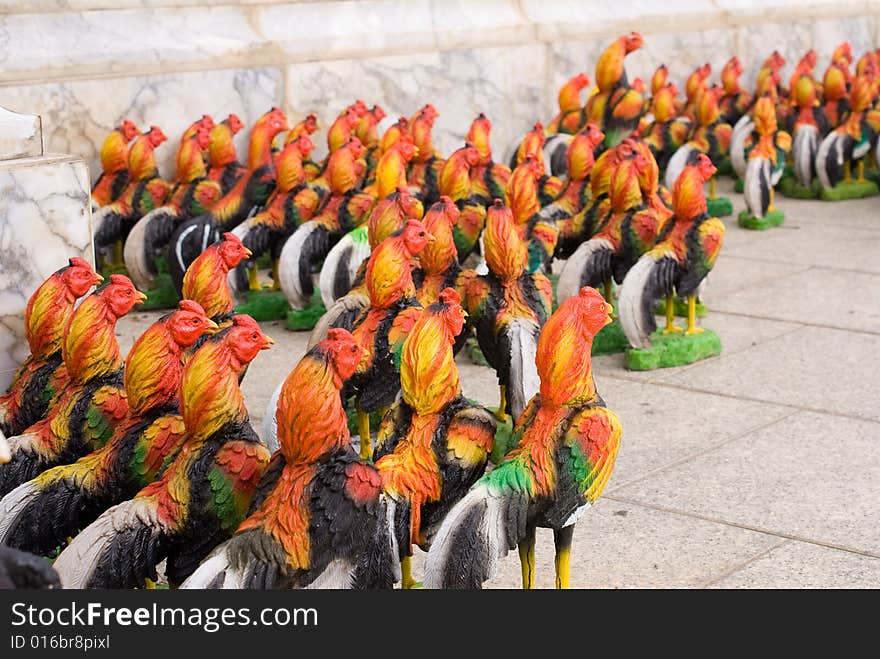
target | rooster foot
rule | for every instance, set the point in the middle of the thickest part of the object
(672, 329)
(694, 330)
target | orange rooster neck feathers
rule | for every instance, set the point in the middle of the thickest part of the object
(688, 200)
(205, 279)
(440, 219)
(264, 131)
(388, 276)
(506, 251)
(563, 356)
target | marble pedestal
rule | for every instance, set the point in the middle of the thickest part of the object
(45, 219)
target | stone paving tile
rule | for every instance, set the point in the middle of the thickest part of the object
(811, 476)
(735, 273)
(814, 244)
(835, 298)
(803, 565)
(662, 425)
(824, 369)
(623, 545)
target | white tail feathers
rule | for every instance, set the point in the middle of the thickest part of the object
(290, 268)
(13, 506)
(214, 572)
(134, 253)
(677, 163)
(524, 380)
(741, 130)
(828, 158)
(342, 264)
(571, 276)
(634, 306)
(270, 423)
(756, 186)
(803, 151)
(5, 454)
(350, 305)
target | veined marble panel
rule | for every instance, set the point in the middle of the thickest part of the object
(44, 220)
(505, 83)
(78, 115)
(20, 135)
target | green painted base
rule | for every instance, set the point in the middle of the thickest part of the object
(680, 308)
(163, 296)
(669, 350)
(719, 207)
(772, 219)
(789, 186)
(610, 339)
(264, 305)
(305, 319)
(873, 175)
(851, 190)
(473, 352)
(503, 439)
(738, 185)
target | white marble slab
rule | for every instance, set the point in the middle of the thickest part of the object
(77, 115)
(44, 220)
(505, 83)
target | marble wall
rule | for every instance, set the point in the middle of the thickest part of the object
(83, 65)
(44, 220)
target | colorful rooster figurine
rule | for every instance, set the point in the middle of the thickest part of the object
(40, 378)
(192, 236)
(114, 164)
(617, 105)
(766, 162)
(39, 515)
(205, 280)
(202, 496)
(572, 115)
(318, 519)
(679, 262)
(92, 402)
(433, 443)
(566, 444)
(807, 126)
(508, 306)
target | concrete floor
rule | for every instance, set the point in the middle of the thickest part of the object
(756, 469)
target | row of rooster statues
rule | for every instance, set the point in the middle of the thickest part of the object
(117, 465)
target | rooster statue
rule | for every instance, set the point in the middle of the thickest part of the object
(735, 101)
(205, 280)
(192, 236)
(508, 306)
(807, 127)
(39, 515)
(201, 497)
(566, 445)
(455, 182)
(114, 175)
(40, 378)
(433, 443)
(318, 519)
(617, 105)
(92, 402)
(677, 264)
(766, 163)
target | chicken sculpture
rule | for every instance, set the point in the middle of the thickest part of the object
(735, 101)
(433, 443)
(114, 175)
(508, 306)
(201, 497)
(572, 115)
(575, 193)
(194, 193)
(40, 514)
(566, 445)
(438, 264)
(807, 126)
(677, 264)
(766, 162)
(455, 182)
(145, 191)
(617, 105)
(668, 131)
(205, 280)
(192, 236)
(318, 519)
(424, 169)
(92, 401)
(39, 380)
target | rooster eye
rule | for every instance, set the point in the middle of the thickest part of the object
(254, 336)
(195, 321)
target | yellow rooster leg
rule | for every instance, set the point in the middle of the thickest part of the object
(527, 559)
(117, 254)
(562, 540)
(406, 581)
(770, 207)
(607, 294)
(692, 316)
(149, 584)
(276, 279)
(363, 419)
(501, 414)
(847, 172)
(670, 316)
(861, 178)
(712, 188)
(254, 279)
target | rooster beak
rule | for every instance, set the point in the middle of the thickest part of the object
(248, 253)
(267, 342)
(98, 279)
(5, 455)
(141, 298)
(610, 310)
(212, 327)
